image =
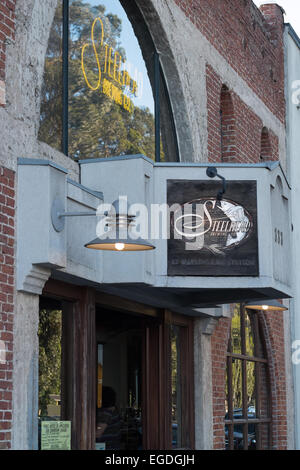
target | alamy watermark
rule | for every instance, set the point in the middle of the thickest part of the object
(296, 93)
(296, 353)
(189, 222)
(2, 352)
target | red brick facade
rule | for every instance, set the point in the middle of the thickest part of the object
(7, 32)
(242, 138)
(251, 43)
(7, 237)
(273, 332)
(219, 344)
(273, 326)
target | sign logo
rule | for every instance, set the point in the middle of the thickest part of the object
(214, 225)
(113, 76)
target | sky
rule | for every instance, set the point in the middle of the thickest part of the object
(292, 9)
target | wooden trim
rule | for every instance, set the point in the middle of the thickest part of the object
(165, 380)
(79, 370)
(151, 405)
(63, 291)
(186, 325)
(114, 302)
(248, 421)
(247, 358)
(259, 364)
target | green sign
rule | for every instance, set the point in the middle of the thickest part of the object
(100, 446)
(56, 435)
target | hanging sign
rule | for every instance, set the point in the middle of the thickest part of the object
(209, 237)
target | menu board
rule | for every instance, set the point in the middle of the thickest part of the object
(56, 435)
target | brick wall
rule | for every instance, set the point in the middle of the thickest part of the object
(250, 40)
(252, 43)
(219, 345)
(273, 332)
(7, 32)
(245, 127)
(273, 326)
(7, 234)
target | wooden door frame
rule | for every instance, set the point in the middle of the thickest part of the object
(78, 360)
(79, 389)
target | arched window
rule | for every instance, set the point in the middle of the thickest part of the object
(104, 93)
(227, 118)
(247, 419)
(265, 145)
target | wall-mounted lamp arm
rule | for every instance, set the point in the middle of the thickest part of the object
(76, 214)
(58, 215)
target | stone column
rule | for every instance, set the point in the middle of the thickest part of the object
(25, 373)
(203, 330)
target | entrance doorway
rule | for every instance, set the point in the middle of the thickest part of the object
(119, 411)
(132, 359)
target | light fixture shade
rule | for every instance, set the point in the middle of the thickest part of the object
(119, 223)
(266, 305)
(119, 244)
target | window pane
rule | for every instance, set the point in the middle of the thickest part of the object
(111, 108)
(176, 387)
(50, 130)
(240, 439)
(227, 399)
(252, 436)
(236, 341)
(50, 335)
(237, 388)
(251, 389)
(249, 333)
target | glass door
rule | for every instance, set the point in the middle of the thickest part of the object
(119, 381)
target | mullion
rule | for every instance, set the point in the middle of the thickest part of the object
(65, 78)
(247, 358)
(243, 421)
(230, 402)
(244, 377)
(157, 105)
(258, 402)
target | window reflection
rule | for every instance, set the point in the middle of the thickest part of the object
(110, 97)
(111, 82)
(251, 386)
(119, 391)
(50, 354)
(237, 384)
(236, 342)
(50, 130)
(247, 402)
(249, 334)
